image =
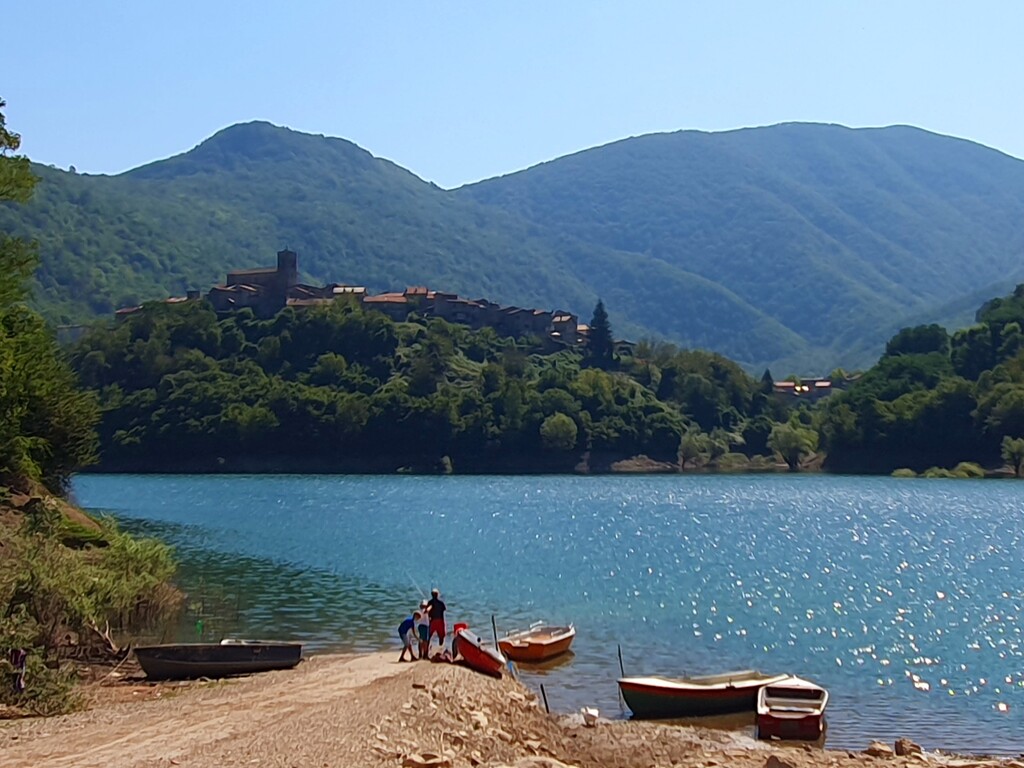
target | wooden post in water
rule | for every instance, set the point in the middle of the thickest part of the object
(544, 696)
(622, 673)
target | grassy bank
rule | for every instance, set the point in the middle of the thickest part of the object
(70, 590)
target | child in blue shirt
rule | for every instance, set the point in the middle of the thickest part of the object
(407, 633)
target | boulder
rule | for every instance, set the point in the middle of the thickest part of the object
(878, 749)
(774, 761)
(905, 748)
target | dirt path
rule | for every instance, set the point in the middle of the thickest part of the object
(370, 711)
(270, 718)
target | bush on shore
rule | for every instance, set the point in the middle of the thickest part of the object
(66, 586)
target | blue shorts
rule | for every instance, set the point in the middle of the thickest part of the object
(423, 632)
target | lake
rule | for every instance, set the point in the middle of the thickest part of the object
(902, 597)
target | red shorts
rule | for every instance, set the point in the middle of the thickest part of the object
(436, 628)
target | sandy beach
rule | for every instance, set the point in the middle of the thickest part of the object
(369, 710)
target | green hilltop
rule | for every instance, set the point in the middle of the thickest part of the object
(794, 246)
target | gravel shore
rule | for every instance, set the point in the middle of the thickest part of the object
(369, 710)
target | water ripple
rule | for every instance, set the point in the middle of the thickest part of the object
(904, 598)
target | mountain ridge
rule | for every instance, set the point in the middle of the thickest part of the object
(801, 245)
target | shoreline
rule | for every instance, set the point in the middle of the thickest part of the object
(367, 710)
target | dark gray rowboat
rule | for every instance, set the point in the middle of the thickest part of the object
(229, 657)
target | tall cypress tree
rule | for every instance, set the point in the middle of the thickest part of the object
(600, 351)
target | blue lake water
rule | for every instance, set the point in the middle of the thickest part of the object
(903, 597)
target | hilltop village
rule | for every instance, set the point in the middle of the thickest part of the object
(267, 290)
(270, 289)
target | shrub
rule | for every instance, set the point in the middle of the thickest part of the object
(733, 462)
(968, 469)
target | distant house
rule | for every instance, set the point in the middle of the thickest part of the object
(806, 389)
(126, 312)
(268, 290)
(394, 305)
(265, 290)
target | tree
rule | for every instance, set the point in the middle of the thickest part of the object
(17, 258)
(919, 340)
(792, 443)
(46, 423)
(558, 432)
(1013, 453)
(694, 447)
(600, 345)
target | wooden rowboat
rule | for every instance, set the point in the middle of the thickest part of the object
(665, 698)
(228, 657)
(792, 708)
(538, 643)
(478, 654)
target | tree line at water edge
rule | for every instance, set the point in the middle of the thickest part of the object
(337, 387)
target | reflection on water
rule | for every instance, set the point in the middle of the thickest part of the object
(244, 596)
(903, 598)
(542, 668)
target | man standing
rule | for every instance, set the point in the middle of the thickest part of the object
(436, 609)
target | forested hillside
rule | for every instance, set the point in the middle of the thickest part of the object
(801, 247)
(839, 234)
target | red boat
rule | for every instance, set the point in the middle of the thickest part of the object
(478, 655)
(792, 708)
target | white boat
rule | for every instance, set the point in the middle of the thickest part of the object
(792, 708)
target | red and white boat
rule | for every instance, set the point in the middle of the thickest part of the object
(660, 698)
(477, 654)
(792, 708)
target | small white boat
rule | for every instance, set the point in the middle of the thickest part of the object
(792, 708)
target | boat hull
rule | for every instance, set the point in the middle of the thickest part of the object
(538, 645)
(804, 728)
(662, 699)
(794, 708)
(192, 660)
(478, 656)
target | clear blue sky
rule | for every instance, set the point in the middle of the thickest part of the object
(456, 92)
